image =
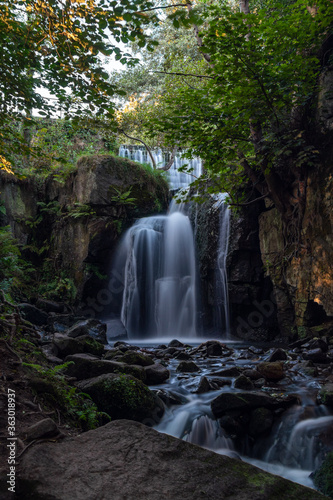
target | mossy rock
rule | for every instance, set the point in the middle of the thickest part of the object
(326, 394)
(123, 396)
(323, 477)
(66, 346)
(136, 358)
(85, 366)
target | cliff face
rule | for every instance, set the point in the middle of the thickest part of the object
(79, 223)
(303, 278)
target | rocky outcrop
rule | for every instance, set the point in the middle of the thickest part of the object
(85, 216)
(129, 460)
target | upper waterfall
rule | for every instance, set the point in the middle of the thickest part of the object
(177, 180)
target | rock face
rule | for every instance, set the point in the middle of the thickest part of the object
(127, 460)
(85, 216)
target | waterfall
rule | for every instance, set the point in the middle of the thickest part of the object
(177, 180)
(160, 295)
(221, 316)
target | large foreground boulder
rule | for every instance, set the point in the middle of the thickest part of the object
(127, 460)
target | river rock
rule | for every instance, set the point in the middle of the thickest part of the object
(243, 383)
(175, 343)
(204, 386)
(65, 346)
(91, 327)
(123, 396)
(136, 358)
(85, 366)
(271, 371)
(182, 356)
(326, 394)
(323, 476)
(187, 367)
(240, 402)
(261, 421)
(42, 429)
(252, 374)
(316, 355)
(156, 374)
(226, 372)
(127, 460)
(214, 348)
(278, 355)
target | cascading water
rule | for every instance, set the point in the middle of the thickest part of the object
(221, 319)
(177, 179)
(159, 297)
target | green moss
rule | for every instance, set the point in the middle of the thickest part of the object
(323, 477)
(136, 358)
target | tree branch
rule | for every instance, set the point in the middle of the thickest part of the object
(170, 162)
(145, 145)
(182, 74)
(165, 7)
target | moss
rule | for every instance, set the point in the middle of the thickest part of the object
(136, 358)
(323, 477)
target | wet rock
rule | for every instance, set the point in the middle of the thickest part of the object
(115, 330)
(316, 355)
(243, 383)
(170, 398)
(156, 374)
(256, 350)
(183, 356)
(319, 344)
(226, 372)
(259, 383)
(271, 371)
(305, 368)
(214, 348)
(216, 383)
(123, 396)
(231, 426)
(187, 367)
(171, 350)
(278, 355)
(261, 421)
(239, 401)
(65, 346)
(33, 314)
(204, 386)
(252, 374)
(136, 358)
(175, 343)
(125, 459)
(326, 394)
(91, 327)
(42, 429)
(87, 366)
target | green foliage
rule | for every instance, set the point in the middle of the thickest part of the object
(80, 210)
(75, 406)
(122, 198)
(323, 477)
(46, 45)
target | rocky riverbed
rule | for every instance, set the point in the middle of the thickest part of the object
(272, 406)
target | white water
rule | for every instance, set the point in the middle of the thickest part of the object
(177, 180)
(160, 292)
(222, 319)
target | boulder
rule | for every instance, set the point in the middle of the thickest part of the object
(323, 477)
(278, 355)
(87, 366)
(261, 421)
(243, 383)
(251, 374)
(65, 346)
(271, 371)
(239, 401)
(136, 358)
(187, 367)
(214, 348)
(156, 374)
(316, 355)
(175, 343)
(33, 314)
(125, 459)
(123, 396)
(226, 372)
(204, 386)
(43, 429)
(91, 327)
